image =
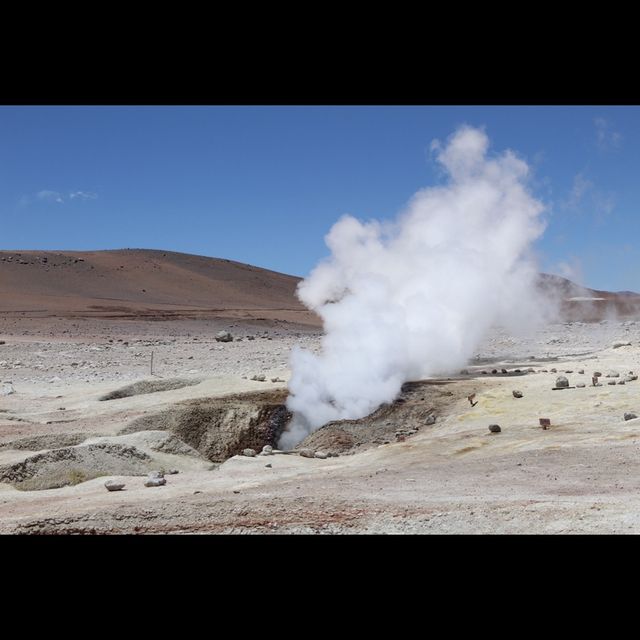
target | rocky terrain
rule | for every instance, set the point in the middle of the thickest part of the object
(156, 413)
(425, 464)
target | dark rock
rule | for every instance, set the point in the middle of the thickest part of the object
(495, 428)
(224, 336)
(517, 394)
(630, 416)
(561, 382)
(431, 419)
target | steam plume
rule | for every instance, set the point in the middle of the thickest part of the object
(414, 297)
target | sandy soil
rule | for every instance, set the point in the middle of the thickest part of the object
(579, 476)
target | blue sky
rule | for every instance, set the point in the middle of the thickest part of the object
(263, 185)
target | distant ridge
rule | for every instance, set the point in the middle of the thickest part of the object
(144, 283)
(156, 284)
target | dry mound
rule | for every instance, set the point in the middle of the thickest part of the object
(47, 441)
(220, 428)
(72, 465)
(150, 441)
(149, 386)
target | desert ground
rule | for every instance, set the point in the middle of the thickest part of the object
(110, 370)
(390, 473)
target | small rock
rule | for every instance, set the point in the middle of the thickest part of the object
(553, 370)
(172, 472)
(267, 450)
(569, 371)
(621, 382)
(561, 382)
(617, 345)
(630, 416)
(196, 492)
(494, 371)
(259, 378)
(581, 371)
(503, 371)
(112, 485)
(531, 370)
(612, 374)
(268, 466)
(464, 372)
(495, 428)
(224, 336)
(306, 453)
(580, 385)
(250, 453)
(545, 423)
(517, 394)
(55, 379)
(630, 378)
(431, 419)
(7, 389)
(321, 454)
(597, 374)
(611, 382)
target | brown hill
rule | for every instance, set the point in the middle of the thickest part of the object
(164, 284)
(141, 282)
(579, 303)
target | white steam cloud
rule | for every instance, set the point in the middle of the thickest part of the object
(414, 297)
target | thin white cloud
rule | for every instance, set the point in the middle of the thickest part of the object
(578, 190)
(50, 196)
(607, 138)
(83, 195)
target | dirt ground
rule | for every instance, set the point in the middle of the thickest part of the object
(579, 476)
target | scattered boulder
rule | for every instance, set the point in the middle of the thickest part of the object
(224, 336)
(112, 485)
(597, 374)
(249, 453)
(611, 382)
(431, 419)
(581, 371)
(612, 374)
(307, 453)
(580, 385)
(259, 378)
(503, 371)
(554, 370)
(531, 370)
(621, 382)
(545, 423)
(517, 394)
(155, 479)
(267, 450)
(495, 428)
(251, 337)
(561, 382)
(617, 345)
(321, 454)
(630, 378)
(630, 416)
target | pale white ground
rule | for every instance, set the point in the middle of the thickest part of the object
(582, 475)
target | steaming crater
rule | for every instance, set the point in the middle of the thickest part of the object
(412, 298)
